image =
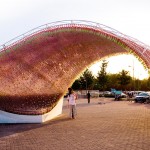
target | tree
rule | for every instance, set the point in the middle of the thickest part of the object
(112, 81)
(124, 79)
(96, 85)
(87, 80)
(102, 76)
(76, 85)
(148, 83)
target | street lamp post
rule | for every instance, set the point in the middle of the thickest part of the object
(86, 85)
(133, 77)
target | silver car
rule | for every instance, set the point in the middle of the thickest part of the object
(142, 97)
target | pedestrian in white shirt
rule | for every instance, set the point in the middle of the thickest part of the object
(72, 103)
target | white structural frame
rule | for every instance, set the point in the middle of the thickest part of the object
(6, 117)
(67, 23)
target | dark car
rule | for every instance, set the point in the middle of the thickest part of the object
(142, 97)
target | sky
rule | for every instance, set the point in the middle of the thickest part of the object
(130, 17)
(133, 66)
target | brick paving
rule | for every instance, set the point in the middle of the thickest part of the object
(110, 125)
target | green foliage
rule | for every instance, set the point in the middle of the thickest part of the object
(102, 76)
(76, 85)
(124, 79)
(148, 83)
(96, 85)
(112, 81)
(86, 81)
(105, 81)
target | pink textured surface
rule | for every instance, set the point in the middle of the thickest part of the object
(48, 62)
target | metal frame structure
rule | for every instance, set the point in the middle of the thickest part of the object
(37, 67)
(68, 23)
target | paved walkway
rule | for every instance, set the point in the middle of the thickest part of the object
(110, 125)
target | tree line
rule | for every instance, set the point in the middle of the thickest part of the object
(105, 81)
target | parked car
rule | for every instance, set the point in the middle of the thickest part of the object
(94, 94)
(142, 97)
(123, 95)
(120, 96)
(106, 92)
(109, 94)
(116, 96)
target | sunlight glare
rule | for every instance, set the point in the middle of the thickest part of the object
(117, 63)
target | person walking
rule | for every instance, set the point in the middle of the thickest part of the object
(88, 96)
(72, 103)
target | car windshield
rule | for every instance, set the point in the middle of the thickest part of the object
(143, 94)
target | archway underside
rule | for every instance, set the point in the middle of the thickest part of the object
(36, 71)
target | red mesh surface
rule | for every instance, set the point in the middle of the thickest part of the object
(33, 70)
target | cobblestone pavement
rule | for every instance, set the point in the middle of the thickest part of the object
(109, 125)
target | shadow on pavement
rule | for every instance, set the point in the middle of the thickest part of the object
(10, 129)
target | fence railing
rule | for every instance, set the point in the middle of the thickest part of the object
(65, 23)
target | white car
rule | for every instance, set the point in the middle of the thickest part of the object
(94, 94)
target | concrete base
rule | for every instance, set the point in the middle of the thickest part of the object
(6, 117)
